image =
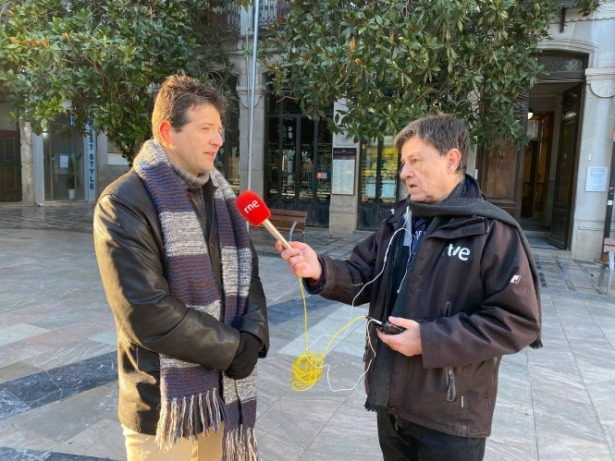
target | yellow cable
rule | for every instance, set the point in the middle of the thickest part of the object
(307, 369)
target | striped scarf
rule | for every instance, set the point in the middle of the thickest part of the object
(195, 399)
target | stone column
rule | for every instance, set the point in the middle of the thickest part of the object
(596, 146)
(344, 208)
(27, 164)
(258, 147)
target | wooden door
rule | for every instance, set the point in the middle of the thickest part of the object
(530, 168)
(501, 172)
(565, 170)
(10, 166)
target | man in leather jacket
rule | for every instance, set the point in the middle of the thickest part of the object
(189, 306)
(457, 274)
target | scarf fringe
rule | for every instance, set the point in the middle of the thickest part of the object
(240, 445)
(180, 418)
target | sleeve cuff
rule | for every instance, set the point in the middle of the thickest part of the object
(316, 286)
(426, 345)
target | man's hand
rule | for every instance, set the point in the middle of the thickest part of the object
(301, 259)
(246, 356)
(407, 342)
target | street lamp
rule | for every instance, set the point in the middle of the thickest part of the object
(252, 91)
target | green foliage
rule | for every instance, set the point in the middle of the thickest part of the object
(587, 6)
(396, 60)
(105, 57)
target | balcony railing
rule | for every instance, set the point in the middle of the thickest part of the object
(229, 18)
(272, 10)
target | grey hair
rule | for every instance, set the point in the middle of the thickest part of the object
(444, 132)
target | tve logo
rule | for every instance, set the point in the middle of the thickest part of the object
(461, 252)
(251, 206)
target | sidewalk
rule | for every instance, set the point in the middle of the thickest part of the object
(58, 377)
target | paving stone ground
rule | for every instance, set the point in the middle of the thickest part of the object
(58, 375)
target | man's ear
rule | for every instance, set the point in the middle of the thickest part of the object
(453, 159)
(165, 133)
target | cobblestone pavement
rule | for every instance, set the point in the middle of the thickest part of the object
(58, 377)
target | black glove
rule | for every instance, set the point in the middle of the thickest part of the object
(245, 357)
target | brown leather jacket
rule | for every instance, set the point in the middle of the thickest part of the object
(129, 248)
(472, 309)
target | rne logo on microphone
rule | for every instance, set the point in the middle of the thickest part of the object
(251, 206)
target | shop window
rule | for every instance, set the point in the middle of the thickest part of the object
(377, 181)
(114, 154)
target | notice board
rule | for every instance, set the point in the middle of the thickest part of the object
(344, 164)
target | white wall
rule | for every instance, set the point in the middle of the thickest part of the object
(592, 35)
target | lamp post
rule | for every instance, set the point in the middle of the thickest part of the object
(253, 91)
(611, 196)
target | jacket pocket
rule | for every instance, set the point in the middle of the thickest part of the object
(451, 387)
(457, 382)
(147, 361)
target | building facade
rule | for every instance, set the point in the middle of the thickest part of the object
(557, 185)
(54, 168)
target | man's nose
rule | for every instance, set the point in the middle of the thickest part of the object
(405, 171)
(217, 140)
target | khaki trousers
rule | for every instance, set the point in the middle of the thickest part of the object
(142, 447)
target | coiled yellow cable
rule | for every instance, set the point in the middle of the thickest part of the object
(307, 369)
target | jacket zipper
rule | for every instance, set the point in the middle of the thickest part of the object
(451, 391)
(387, 296)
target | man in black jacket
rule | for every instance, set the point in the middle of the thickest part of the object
(457, 274)
(181, 277)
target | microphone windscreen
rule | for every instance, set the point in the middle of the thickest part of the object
(252, 208)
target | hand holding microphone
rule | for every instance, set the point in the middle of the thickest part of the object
(300, 257)
(256, 212)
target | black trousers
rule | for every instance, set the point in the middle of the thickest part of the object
(402, 440)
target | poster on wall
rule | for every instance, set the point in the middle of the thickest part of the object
(596, 179)
(344, 162)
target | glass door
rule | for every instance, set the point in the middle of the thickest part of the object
(322, 174)
(290, 162)
(273, 155)
(305, 163)
(298, 166)
(63, 161)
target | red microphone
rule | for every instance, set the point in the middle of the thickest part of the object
(254, 210)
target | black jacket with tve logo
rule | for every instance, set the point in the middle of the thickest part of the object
(471, 289)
